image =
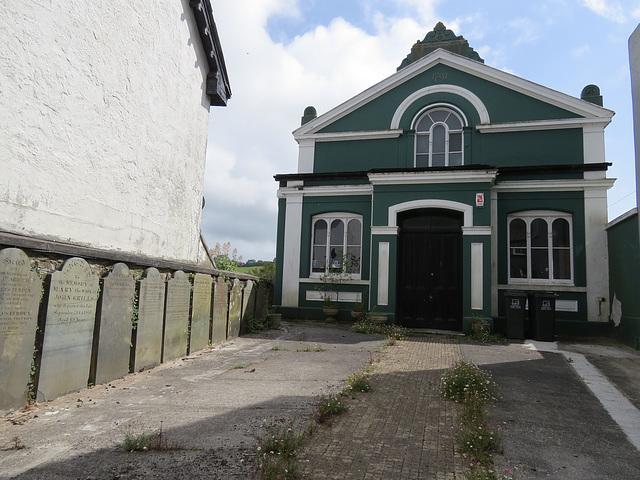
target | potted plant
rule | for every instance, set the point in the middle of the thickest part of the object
(358, 310)
(377, 317)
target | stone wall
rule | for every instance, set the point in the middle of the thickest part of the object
(67, 322)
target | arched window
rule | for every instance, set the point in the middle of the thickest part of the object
(540, 247)
(336, 244)
(439, 139)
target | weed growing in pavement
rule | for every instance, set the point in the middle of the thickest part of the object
(358, 382)
(484, 337)
(477, 471)
(239, 366)
(328, 407)
(277, 452)
(135, 441)
(467, 381)
(17, 444)
(472, 387)
(309, 348)
(368, 327)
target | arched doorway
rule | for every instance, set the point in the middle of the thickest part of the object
(429, 285)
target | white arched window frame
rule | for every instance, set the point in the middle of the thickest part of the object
(540, 247)
(336, 244)
(439, 137)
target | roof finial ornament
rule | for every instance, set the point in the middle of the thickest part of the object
(440, 37)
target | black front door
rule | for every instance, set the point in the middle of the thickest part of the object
(430, 269)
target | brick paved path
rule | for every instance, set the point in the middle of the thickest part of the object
(401, 429)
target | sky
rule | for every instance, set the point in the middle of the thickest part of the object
(283, 55)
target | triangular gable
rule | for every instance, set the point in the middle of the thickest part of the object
(499, 77)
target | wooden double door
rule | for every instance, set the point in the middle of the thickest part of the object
(429, 284)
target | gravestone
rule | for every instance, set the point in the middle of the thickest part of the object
(176, 316)
(200, 312)
(248, 304)
(262, 299)
(112, 338)
(148, 329)
(68, 331)
(19, 301)
(220, 311)
(235, 309)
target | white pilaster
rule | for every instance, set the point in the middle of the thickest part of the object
(291, 255)
(595, 208)
(477, 275)
(383, 273)
(306, 155)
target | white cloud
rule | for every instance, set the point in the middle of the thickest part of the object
(580, 51)
(609, 10)
(527, 30)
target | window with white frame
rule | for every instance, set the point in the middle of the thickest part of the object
(540, 247)
(439, 138)
(336, 243)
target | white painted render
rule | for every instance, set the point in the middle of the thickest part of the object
(103, 125)
(477, 274)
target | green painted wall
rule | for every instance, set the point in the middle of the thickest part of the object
(624, 265)
(503, 104)
(277, 289)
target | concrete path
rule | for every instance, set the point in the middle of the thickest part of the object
(213, 404)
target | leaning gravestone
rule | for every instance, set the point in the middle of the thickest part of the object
(235, 309)
(68, 331)
(220, 310)
(113, 326)
(248, 304)
(176, 316)
(262, 299)
(148, 328)
(200, 312)
(19, 302)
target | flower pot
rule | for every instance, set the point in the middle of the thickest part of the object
(379, 318)
(274, 320)
(331, 313)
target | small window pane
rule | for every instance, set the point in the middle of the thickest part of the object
(518, 233)
(424, 125)
(439, 137)
(562, 264)
(319, 260)
(560, 233)
(437, 160)
(540, 263)
(518, 249)
(422, 144)
(353, 263)
(539, 233)
(335, 258)
(439, 115)
(337, 232)
(354, 232)
(422, 160)
(455, 159)
(455, 142)
(320, 233)
(454, 122)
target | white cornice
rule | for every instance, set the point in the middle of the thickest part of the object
(547, 185)
(344, 136)
(325, 190)
(472, 67)
(543, 125)
(477, 230)
(384, 230)
(415, 178)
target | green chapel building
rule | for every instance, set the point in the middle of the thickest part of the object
(444, 187)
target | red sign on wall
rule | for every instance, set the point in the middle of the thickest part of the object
(479, 199)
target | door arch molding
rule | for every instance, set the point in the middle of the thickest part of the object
(467, 210)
